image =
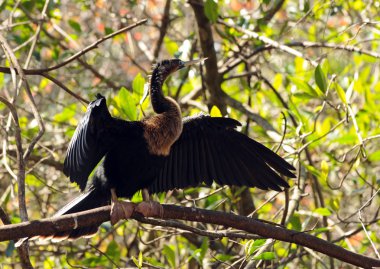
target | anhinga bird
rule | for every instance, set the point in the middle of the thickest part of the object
(162, 152)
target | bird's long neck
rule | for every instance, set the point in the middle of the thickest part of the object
(160, 103)
(163, 129)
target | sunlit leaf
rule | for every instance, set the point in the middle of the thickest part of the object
(170, 45)
(138, 84)
(341, 93)
(252, 245)
(223, 257)
(323, 211)
(127, 103)
(324, 169)
(374, 157)
(154, 262)
(169, 254)
(266, 256)
(32, 180)
(67, 114)
(305, 87)
(136, 262)
(215, 112)
(140, 261)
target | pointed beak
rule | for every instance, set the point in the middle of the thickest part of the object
(192, 62)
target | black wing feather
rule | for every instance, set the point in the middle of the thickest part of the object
(210, 149)
(85, 149)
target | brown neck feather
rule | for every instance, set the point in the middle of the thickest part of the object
(163, 129)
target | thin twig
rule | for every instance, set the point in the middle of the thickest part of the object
(270, 42)
(78, 54)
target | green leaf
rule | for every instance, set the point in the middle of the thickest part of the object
(76, 26)
(266, 256)
(67, 114)
(140, 260)
(374, 157)
(305, 87)
(303, 95)
(169, 254)
(211, 10)
(320, 79)
(154, 262)
(324, 169)
(341, 94)
(223, 257)
(32, 180)
(334, 203)
(138, 84)
(204, 248)
(313, 170)
(113, 251)
(135, 261)
(252, 245)
(200, 253)
(170, 45)
(127, 103)
(108, 30)
(323, 211)
(295, 223)
(215, 112)
(137, 197)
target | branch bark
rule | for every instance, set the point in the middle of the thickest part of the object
(46, 227)
(213, 79)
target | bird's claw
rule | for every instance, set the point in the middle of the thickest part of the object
(121, 210)
(150, 209)
(124, 210)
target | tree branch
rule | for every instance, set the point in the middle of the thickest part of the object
(206, 40)
(270, 42)
(163, 29)
(46, 227)
(76, 55)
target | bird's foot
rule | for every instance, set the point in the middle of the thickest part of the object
(121, 210)
(150, 209)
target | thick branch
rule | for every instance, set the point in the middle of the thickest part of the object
(206, 40)
(97, 216)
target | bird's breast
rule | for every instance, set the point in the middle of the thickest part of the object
(161, 131)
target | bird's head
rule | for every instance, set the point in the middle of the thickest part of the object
(167, 67)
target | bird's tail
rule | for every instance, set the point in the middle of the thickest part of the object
(90, 199)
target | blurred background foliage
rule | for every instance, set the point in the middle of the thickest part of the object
(320, 100)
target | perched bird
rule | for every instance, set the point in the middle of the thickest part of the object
(161, 153)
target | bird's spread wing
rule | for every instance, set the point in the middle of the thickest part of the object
(86, 147)
(210, 149)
